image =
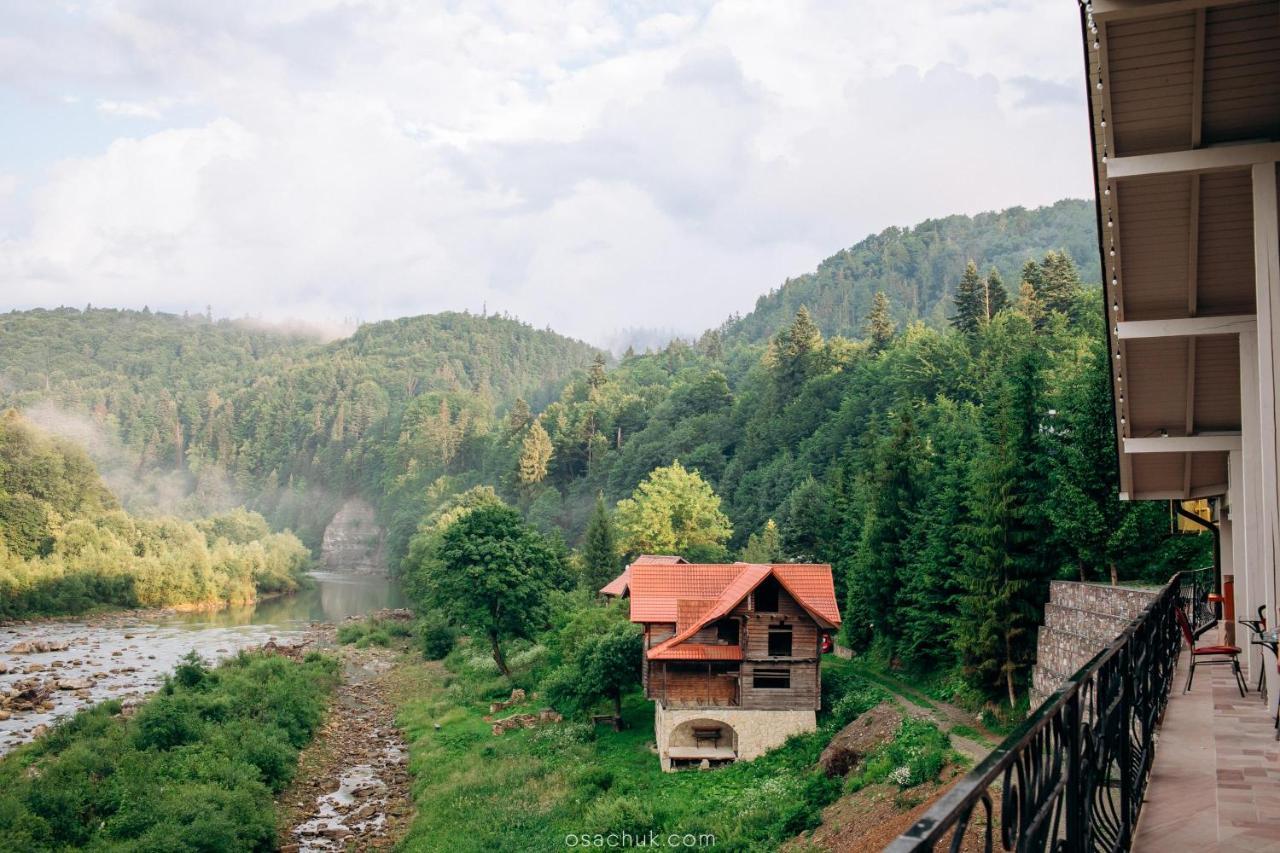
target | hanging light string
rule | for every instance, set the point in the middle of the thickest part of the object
(1096, 46)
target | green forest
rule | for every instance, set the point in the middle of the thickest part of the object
(928, 412)
(67, 547)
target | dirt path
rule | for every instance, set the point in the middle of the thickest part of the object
(352, 788)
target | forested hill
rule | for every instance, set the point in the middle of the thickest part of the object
(189, 415)
(918, 268)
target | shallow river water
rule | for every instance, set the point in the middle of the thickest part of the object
(127, 655)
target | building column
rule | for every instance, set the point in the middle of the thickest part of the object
(1266, 347)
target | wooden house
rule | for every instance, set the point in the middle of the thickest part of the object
(732, 653)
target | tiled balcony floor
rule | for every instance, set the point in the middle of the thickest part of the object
(1215, 785)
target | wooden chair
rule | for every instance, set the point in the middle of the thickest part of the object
(1211, 654)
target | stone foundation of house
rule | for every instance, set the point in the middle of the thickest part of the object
(748, 733)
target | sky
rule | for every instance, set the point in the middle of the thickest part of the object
(586, 166)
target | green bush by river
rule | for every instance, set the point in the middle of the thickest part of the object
(196, 768)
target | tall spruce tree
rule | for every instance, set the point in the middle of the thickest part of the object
(876, 576)
(796, 351)
(880, 326)
(600, 558)
(1059, 281)
(535, 455)
(1010, 555)
(596, 376)
(997, 295)
(971, 301)
(934, 550)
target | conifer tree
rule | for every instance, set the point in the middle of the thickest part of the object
(765, 546)
(796, 350)
(596, 377)
(518, 417)
(1010, 555)
(1029, 304)
(971, 301)
(1060, 281)
(535, 456)
(877, 565)
(997, 295)
(600, 558)
(879, 327)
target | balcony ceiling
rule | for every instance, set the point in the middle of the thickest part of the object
(1167, 79)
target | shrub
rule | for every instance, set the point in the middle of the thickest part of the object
(916, 755)
(194, 769)
(436, 636)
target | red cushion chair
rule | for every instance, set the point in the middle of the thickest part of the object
(1210, 654)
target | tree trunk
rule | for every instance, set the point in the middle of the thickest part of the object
(1115, 575)
(497, 655)
(617, 710)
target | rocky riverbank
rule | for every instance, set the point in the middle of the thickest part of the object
(49, 669)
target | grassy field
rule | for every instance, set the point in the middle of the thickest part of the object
(532, 789)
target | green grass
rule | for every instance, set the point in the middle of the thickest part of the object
(530, 789)
(916, 755)
(373, 632)
(196, 769)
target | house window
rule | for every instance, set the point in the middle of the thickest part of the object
(727, 631)
(766, 596)
(780, 641)
(771, 679)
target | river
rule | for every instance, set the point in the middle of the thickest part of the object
(127, 655)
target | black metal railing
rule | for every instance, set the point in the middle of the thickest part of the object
(1072, 776)
(1195, 590)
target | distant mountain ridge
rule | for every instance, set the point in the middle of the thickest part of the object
(918, 268)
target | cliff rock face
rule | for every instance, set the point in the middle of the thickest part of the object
(353, 541)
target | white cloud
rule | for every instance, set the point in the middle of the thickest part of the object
(152, 109)
(582, 166)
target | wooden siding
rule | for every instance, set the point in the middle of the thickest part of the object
(1242, 72)
(1151, 70)
(690, 685)
(687, 686)
(1156, 402)
(1158, 472)
(1155, 233)
(801, 694)
(1217, 384)
(1224, 272)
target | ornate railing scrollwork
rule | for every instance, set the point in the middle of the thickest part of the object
(1071, 778)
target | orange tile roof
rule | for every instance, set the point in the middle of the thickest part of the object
(693, 595)
(694, 651)
(618, 586)
(656, 588)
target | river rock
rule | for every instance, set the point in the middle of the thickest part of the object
(852, 743)
(75, 683)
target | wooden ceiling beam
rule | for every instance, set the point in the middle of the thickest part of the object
(1185, 327)
(1184, 444)
(1212, 159)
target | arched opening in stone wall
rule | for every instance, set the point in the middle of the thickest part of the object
(702, 740)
